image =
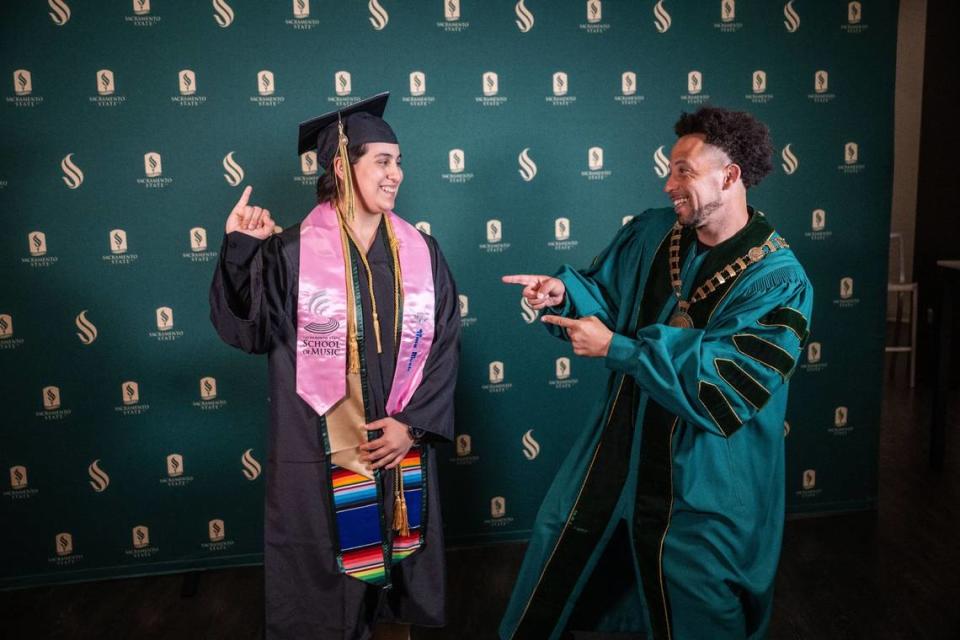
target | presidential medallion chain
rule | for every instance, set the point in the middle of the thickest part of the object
(681, 318)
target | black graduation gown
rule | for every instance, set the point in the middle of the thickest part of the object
(253, 302)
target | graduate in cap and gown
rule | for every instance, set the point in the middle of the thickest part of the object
(358, 314)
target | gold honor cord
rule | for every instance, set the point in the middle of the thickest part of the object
(681, 317)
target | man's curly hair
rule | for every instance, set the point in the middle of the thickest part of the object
(744, 138)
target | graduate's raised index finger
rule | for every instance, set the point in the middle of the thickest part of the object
(244, 197)
(525, 280)
(560, 321)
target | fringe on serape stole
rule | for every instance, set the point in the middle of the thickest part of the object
(356, 507)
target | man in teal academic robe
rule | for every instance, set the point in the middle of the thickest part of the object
(667, 515)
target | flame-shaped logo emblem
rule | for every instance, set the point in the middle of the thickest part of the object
(728, 11)
(594, 11)
(130, 393)
(790, 162)
(464, 445)
(265, 84)
(451, 10)
(531, 448)
(562, 368)
(809, 479)
(141, 536)
(661, 19)
(164, 318)
(308, 163)
(846, 288)
(216, 530)
(528, 168)
(821, 81)
(560, 84)
(491, 84)
(694, 82)
(72, 175)
(595, 159)
(301, 9)
(88, 332)
(759, 81)
(528, 313)
(141, 7)
(464, 305)
(6, 326)
(840, 417)
(37, 242)
(18, 477)
(224, 13)
(198, 239)
(524, 19)
(174, 465)
(854, 13)
(234, 172)
(152, 164)
(418, 83)
(378, 15)
(494, 231)
(99, 480)
(208, 388)
(792, 22)
(851, 153)
(63, 542)
(818, 220)
(51, 398)
(457, 160)
(251, 468)
(498, 507)
(628, 83)
(561, 229)
(814, 352)
(342, 82)
(22, 82)
(661, 164)
(118, 241)
(105, 82)
(495, 372)
(60, 13)
(188, 82)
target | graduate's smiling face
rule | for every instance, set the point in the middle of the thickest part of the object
(377, 176)
(700, 175)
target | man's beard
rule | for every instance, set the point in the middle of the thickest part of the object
(699, 216)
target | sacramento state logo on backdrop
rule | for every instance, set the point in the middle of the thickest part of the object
(661, 17)
(153, 172)
(821, 88)
(815, 360)
(594, 18)
(497, 378)
(531, 448)
(841, 422)
(695, 94)
(208, 395)
(854, 23)
(141, 548)
(528, 313)
(791, 17)
(301, 20)
(851, 159)
(251, 466)
(498, 513)
(222, 13)
(130, 402)
(106, 87)
(188, 95)
(495, 238)
(199, 250)
(728, 17)
(563, 374)
(234, 172)
(217, 536)
(267, 95)
(453, 21)
(466, 319)
(39, 254)
(23, 95)
(166, 330)
(99, 480)
(525, 19)
(142, 16)
(846, 298)
(758, 88)
(309, 170)
(818, 226)
(527, 167)
(119, 249)
(560, 86)
(53, 408)
(628, 95)
(465, 455)
(418, 91)
(595, 170)
(86, 330)
(8, 337)
(342, 89)
(457, 167)
(562, 236)
(661, 163)
(176, 475)
(72, 175)
(790, 162)
(20, 488)
(379, 18)
(809, 481)
(490, 90)
(59, 12)
(65, 553)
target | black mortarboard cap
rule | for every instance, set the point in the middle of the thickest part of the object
(362, 123)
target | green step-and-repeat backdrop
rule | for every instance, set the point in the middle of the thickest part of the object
(133, 439)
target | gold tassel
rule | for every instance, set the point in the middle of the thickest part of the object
(353, 351)
(400, 522)
(345, 193)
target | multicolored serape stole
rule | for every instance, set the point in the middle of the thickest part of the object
(355, 503)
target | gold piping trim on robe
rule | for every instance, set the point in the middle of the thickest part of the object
(740, 393)
(663, 538)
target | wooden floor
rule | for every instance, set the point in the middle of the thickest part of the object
(894, 573)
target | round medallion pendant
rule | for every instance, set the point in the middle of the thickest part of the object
(755, 254)
(681, 320)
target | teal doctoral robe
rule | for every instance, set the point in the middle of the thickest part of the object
(667, 515)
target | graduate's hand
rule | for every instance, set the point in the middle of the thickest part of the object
(540, 291)
(253, 221)
(589, 336)
(388, 450)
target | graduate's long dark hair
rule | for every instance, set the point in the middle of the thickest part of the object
(327, 183)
